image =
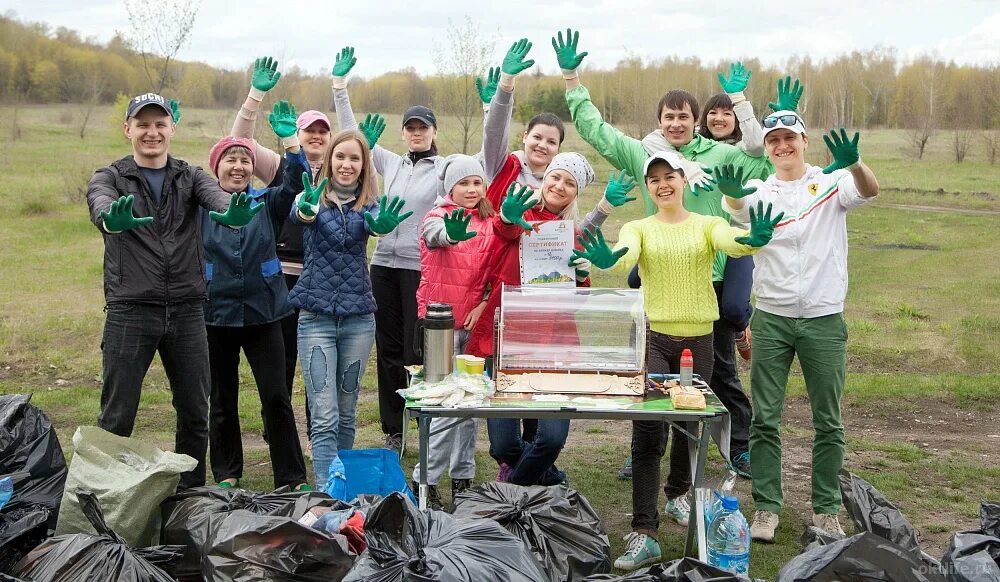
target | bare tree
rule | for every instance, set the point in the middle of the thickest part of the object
(467, 54)
(158, 31)
(992, 141)
(918, 136)
(961, 142)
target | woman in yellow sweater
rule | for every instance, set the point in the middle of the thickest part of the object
(674, 249)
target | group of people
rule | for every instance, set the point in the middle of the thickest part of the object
(198, 269)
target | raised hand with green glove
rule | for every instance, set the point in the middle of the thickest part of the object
(175, 110)
(388, 216)
(514, 61)
(515, 204)
(616, 194)
(845, 151)
(240, 212)
(739, 76)
(119, 218)
(761, 226)
(342, 66)
(265, 74)
(788, 95)
(283, 119)
(456, 226)
(596, 250)
(729, 180)
(489, 89)
(569, 59)
(308, 201)
(372, 126)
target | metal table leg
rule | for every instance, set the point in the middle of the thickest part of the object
(424, 424)
(696, 523)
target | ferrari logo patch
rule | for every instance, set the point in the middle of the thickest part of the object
(813, 188)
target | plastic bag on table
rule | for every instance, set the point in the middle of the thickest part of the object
(557, 523)
(683, 570)
(104, 556)
(186, 515)
(244, 547)
(871, 511)
(405, 544)
(130, 478)
(864, 557)
(370, 472)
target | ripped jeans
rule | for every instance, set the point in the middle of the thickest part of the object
(333, 352)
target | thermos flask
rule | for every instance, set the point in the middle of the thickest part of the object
(439, 342)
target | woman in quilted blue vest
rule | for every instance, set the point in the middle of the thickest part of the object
(334, 294)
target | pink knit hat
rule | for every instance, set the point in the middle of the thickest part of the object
(224, 144)
(307, 118)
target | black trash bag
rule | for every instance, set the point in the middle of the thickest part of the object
(186, 516)
(989, 518)
(21, 530)
(864, 557)
(972, 557)
(245, 547)
(682, 570)
(814, 537)
(557, 523)
(407, 545)
(30, 453)
(106, 556)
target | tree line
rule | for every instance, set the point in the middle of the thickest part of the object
(863, 89)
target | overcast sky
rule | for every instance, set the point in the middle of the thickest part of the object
(393, 35)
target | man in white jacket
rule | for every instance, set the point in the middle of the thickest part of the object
(800, 283)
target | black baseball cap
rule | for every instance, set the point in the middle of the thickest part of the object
(144, 100)
(422, 113)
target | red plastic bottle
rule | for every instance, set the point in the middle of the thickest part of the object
(687, 367)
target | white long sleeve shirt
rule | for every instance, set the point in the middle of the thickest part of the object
(802, 272)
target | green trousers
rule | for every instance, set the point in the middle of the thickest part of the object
(821, 345)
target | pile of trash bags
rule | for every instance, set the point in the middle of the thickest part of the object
(886, 546)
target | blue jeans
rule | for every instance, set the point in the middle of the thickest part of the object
(333, 352)
(532, 463)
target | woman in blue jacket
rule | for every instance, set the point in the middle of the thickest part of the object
(334, 294)
(247, 299)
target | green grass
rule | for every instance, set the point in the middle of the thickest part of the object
(921, 310)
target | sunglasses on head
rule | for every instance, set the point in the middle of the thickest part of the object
(788, 120)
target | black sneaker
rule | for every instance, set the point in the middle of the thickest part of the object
(741, 464)
(394, 442)
(433, 496)
(626, 473)
(458, 486)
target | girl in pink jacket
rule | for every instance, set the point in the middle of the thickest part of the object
(454, 236)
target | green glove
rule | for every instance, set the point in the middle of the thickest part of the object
(456, 225)
(845, 152)
(788, 95)
(618, 188)
(308, 201)
(729, 181)
(513, 62)
(582, 267)
(738, 78)
(175, 110)
(119, 218)
(372, 126)
(388, 215)
(265, 74)
(283, 119)
(240, 212)
(597, 251)
(344, 63)
(514, 205)
(566, 51)
(761, 226)
(487, 91)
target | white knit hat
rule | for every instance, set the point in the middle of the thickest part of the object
(457, 167)
(575, 164)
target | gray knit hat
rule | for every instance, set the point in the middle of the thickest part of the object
(575, 164)
(457, 167)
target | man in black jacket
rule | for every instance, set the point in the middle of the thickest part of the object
(153, 276)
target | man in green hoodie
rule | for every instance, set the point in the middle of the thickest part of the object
(677, 115)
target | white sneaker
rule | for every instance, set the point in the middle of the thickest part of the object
(678, 509)
(639, 551)
(829, 523)
(763, 526)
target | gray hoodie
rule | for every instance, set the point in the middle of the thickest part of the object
(417, 184)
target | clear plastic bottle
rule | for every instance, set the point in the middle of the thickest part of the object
(729, 539)
(6, 490)
(687, 368)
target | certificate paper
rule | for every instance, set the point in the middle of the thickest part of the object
(545, 254)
